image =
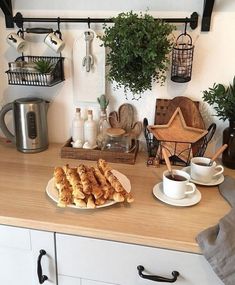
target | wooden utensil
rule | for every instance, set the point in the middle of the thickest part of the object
(168, 163)
(219, 151)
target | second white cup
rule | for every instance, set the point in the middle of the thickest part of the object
(201, 171)
(177, 187)
(54, 42)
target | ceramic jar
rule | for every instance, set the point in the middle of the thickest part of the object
(228, 156)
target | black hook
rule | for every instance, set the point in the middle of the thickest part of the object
(185, 27)
(58, 32)
(58, 23)
(20, 33)
(89, 22)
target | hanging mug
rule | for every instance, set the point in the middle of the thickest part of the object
(55, 42)
(16, 42)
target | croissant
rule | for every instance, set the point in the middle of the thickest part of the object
(96, 190)
(84, 179)
(90, 202)
(80, 203)
(112, 179)
(65, 196)
(103, 166)
(106, 187)
(74, 180)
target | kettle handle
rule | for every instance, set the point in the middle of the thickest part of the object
(3, 126)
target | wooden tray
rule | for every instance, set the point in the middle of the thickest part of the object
(67, 151)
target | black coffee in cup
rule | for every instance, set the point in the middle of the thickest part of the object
(176, 177)
(202, 163)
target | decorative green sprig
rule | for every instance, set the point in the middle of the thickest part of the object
(222, 99)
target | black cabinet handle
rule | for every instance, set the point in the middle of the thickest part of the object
(156, 278)
(41, 277)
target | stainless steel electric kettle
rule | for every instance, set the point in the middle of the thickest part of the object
(30, 124)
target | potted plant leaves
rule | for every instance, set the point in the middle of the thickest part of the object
(45, 68)
(138, 48)
(222, 99)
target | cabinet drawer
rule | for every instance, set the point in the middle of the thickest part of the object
(67, 280)
(13, 237)
(114, 262)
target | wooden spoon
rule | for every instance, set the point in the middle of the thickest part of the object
(219, 151)
(168, 163)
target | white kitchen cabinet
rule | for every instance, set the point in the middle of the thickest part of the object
(81, 260)
(67, 280)
(19, 252)
(89, 261)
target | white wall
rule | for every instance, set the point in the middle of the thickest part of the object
(214, 57)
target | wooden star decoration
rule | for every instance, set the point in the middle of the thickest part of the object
(176, 136)
(176, 130)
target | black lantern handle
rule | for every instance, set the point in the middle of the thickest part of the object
(41, 278)
(157, 278)
(184, 35)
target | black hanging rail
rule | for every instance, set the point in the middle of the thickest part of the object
(20, 20)
(6, 6)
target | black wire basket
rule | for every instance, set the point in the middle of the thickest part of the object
(22, 76)
(154, 147)
(182, 59)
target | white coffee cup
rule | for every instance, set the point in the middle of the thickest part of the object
(16, 42)
(179, 186)
(54, 42)
(201, 171)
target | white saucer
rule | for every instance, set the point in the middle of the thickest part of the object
(215, 181)
(189, 200)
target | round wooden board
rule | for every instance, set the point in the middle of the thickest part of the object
(191, 113)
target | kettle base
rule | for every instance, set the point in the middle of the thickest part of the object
(32, 150)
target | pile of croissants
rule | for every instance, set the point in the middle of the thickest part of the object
(89, 187)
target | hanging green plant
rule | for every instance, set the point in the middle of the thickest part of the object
(138, 48)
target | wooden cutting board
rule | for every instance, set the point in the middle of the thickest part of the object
(191, 113)
(190, 110)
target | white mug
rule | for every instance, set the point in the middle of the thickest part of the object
(16, 42)
(54, 42)
(179, 186)
(201, 171)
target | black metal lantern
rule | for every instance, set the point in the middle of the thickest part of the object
(182, 59)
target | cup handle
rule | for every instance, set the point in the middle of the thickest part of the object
(219, 171)
(192, 190)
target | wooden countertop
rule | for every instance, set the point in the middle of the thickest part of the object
(147, 221)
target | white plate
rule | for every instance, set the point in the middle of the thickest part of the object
(215, 181)
(189, 200)
(52, 192)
